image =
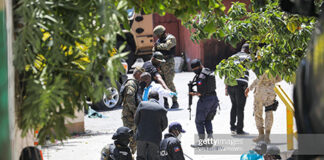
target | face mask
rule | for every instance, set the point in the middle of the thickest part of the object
(123, 141)
(197, 71)
(143, 84)
(156, 64)
(179, 136)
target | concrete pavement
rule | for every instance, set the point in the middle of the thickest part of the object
(99, 131)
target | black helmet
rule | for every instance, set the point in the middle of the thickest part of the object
(30, 153)
(122, 133)
(122, 136)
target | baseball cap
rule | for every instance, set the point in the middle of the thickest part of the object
(176, 126)
(195, 63)
(158, 56)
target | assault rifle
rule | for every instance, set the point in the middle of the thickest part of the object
(191, 84)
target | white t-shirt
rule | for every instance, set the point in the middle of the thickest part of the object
(159, 89)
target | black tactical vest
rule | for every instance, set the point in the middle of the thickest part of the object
(170, 52)
(206, 82)
(119, 153)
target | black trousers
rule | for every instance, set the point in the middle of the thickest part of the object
(147, 150)
(238, 99)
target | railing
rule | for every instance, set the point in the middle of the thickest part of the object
(290, 116)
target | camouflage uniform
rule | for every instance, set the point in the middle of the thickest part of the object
(107, 153)
(167, 68)
(264, 95)
(129, 109)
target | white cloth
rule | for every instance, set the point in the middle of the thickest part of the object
(160, 90)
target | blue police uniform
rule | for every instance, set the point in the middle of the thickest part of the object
(207, 103)
(170, 148)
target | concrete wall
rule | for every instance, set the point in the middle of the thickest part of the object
(76, 125)
(16, 141)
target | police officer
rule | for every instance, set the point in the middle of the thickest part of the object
(131, 98)
(166, 44)
(264, 95)
(154, 68)
(237, 96)
(208, 101)
(119, 150)
(170, 146)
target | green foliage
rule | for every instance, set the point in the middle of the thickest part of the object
(230, 70)
(61, 55)
(278, 40)
(182, 9)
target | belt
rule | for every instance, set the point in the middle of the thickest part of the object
(208, 94)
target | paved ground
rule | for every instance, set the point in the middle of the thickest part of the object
(99, 131)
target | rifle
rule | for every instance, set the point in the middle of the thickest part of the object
(191, 84)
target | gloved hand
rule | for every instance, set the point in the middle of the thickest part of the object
(173, 94)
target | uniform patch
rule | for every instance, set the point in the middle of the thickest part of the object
(199, 83)
(176, 149)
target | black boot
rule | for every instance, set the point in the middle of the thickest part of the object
(166, 104)
(175, 105)
(210, 140)
(200, 141)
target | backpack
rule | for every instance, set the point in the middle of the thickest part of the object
(122, 90)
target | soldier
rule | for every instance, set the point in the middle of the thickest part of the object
(208, 101)
(264, 95)
(170, 146)
(237, 96)
(166, 44)
(131, 99)
(119, 150)
(154, 68)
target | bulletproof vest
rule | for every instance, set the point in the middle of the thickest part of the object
(119, 153)
(206, 82)
(170, 52)
(138, 95)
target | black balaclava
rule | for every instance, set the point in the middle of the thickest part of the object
(196, 63)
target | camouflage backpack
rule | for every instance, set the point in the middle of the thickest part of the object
(123, 88)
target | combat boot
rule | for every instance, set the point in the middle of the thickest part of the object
(200, 142)
(166, 103)
(260, 137)
(267, 137)
(174, 105)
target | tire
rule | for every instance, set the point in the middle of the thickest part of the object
(107, 103)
